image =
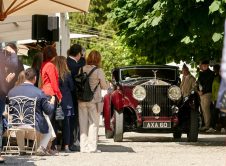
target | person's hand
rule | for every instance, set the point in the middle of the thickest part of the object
(52, 100)
(10, 77)
(8, 48)
(59, 101)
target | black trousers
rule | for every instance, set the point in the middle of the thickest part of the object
(54, 124)
(68, 129)
(76, 119)
(215, 113)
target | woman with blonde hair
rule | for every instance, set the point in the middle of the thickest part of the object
(21, 78)
(88, 111)
(66, 86)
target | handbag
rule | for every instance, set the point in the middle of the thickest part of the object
(59, 113)
(223, 102)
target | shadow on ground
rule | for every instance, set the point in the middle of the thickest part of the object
(203, 140)
(152, 138)
(206, 142)
(115, 148)
(19, 160)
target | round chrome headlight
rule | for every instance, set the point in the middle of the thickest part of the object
(139, 93)
(174, 93)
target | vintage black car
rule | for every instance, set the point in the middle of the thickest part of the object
(148, 99)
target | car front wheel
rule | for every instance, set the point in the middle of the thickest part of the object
(193, 131)
(118, 130)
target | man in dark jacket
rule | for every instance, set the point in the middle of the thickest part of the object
(42, 106)
(75, 61)
(205, 81)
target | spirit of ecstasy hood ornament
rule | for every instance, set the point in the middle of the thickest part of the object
(155, 75)
(155, 81)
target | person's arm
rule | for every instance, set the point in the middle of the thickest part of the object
(81, 62)
(193, 83)
(47, 107)
(103, 84)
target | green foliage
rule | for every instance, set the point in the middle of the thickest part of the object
(115, 55)
(96, 22)
(217, 36)
(165, 30)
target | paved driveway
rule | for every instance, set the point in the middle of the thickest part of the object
(140, 150)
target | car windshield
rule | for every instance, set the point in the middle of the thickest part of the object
(160, 73)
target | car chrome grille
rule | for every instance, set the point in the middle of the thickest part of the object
(156, 94)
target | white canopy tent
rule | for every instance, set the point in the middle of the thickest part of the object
(15, 28)
(16, 18)
(75, 36)
(30, 7)
(18, 29)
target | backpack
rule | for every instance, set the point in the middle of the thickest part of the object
(83, 89)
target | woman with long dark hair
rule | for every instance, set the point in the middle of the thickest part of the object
(36, 64)
(66, 88)
(50, 83)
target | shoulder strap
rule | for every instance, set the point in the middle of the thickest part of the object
(96, 87)
(93, 69)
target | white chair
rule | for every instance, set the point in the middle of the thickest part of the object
(21, 117)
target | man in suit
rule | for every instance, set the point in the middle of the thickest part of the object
(75, 60)
(188, 81)
(42, 105)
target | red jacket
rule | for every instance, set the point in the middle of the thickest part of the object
(50, 77)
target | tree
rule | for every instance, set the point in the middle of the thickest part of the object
(96, 22)
(165, 30)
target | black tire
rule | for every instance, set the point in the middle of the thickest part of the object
(193, 131)
(109, 134)
(118, 130)
(177, 135)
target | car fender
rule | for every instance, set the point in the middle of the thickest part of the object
(117, 100)
(107, 111)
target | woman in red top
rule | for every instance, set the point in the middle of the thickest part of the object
(50, 81)
(49, 74)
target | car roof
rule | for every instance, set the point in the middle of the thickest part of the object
(148, 66)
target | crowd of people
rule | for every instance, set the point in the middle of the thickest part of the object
(207, 85)
(51, 81)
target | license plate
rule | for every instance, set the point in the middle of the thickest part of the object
(156, 125)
